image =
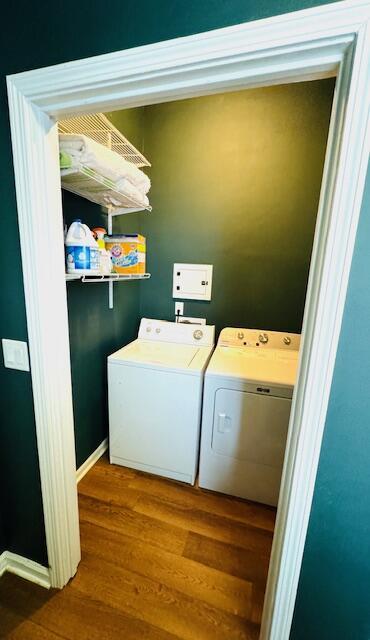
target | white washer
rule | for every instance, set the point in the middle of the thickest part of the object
(155, 387)
(246, 407)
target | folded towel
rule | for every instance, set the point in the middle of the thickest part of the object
(116, 193)
(65, 160)
(116, 200)
(129, 190)
(107, 163)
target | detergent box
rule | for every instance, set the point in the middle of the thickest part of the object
(128, 253)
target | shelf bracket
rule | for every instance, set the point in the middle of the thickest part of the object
(110, 294)
(110, 283)
(110, 222)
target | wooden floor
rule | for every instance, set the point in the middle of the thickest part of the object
(160, 561)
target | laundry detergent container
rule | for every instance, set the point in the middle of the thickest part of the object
(128, 252)
(82, 251)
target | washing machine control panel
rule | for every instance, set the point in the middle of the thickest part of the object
(237, 337)
(178, 333)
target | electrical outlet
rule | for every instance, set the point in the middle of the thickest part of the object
(179, 308)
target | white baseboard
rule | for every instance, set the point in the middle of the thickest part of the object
(24, 568)
(91, 460)
(2, 563)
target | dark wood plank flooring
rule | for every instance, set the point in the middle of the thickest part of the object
(160, 561)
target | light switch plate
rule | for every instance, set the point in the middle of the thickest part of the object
(15, 354)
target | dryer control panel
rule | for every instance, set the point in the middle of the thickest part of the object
(239, 337)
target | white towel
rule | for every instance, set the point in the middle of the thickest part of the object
(128, 188)
(105, 162)
(114, 199)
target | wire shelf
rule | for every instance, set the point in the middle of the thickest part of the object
(112, 277)
(85, 182)
(97, 127)
(72, 276)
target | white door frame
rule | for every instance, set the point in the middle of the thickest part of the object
(327, 40)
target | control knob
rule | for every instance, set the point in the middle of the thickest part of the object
(198, 334)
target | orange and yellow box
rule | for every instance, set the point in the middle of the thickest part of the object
(128, 252)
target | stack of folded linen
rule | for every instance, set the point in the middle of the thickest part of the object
(120, 175)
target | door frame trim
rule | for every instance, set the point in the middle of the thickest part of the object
(326, 40)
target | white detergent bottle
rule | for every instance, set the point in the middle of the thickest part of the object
(94, 252)
(82, 251)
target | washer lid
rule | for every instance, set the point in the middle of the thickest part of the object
(270, 367)
(181, 358)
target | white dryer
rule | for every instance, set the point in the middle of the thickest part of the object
(246, 407)
(155, 387)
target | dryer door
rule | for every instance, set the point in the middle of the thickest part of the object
(250, 426)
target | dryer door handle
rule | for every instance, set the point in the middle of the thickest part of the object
(224, 423)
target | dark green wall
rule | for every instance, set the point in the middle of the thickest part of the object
(3, 508)
(20, 503)
(2, 538)
(235, 183)
(43, 36)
